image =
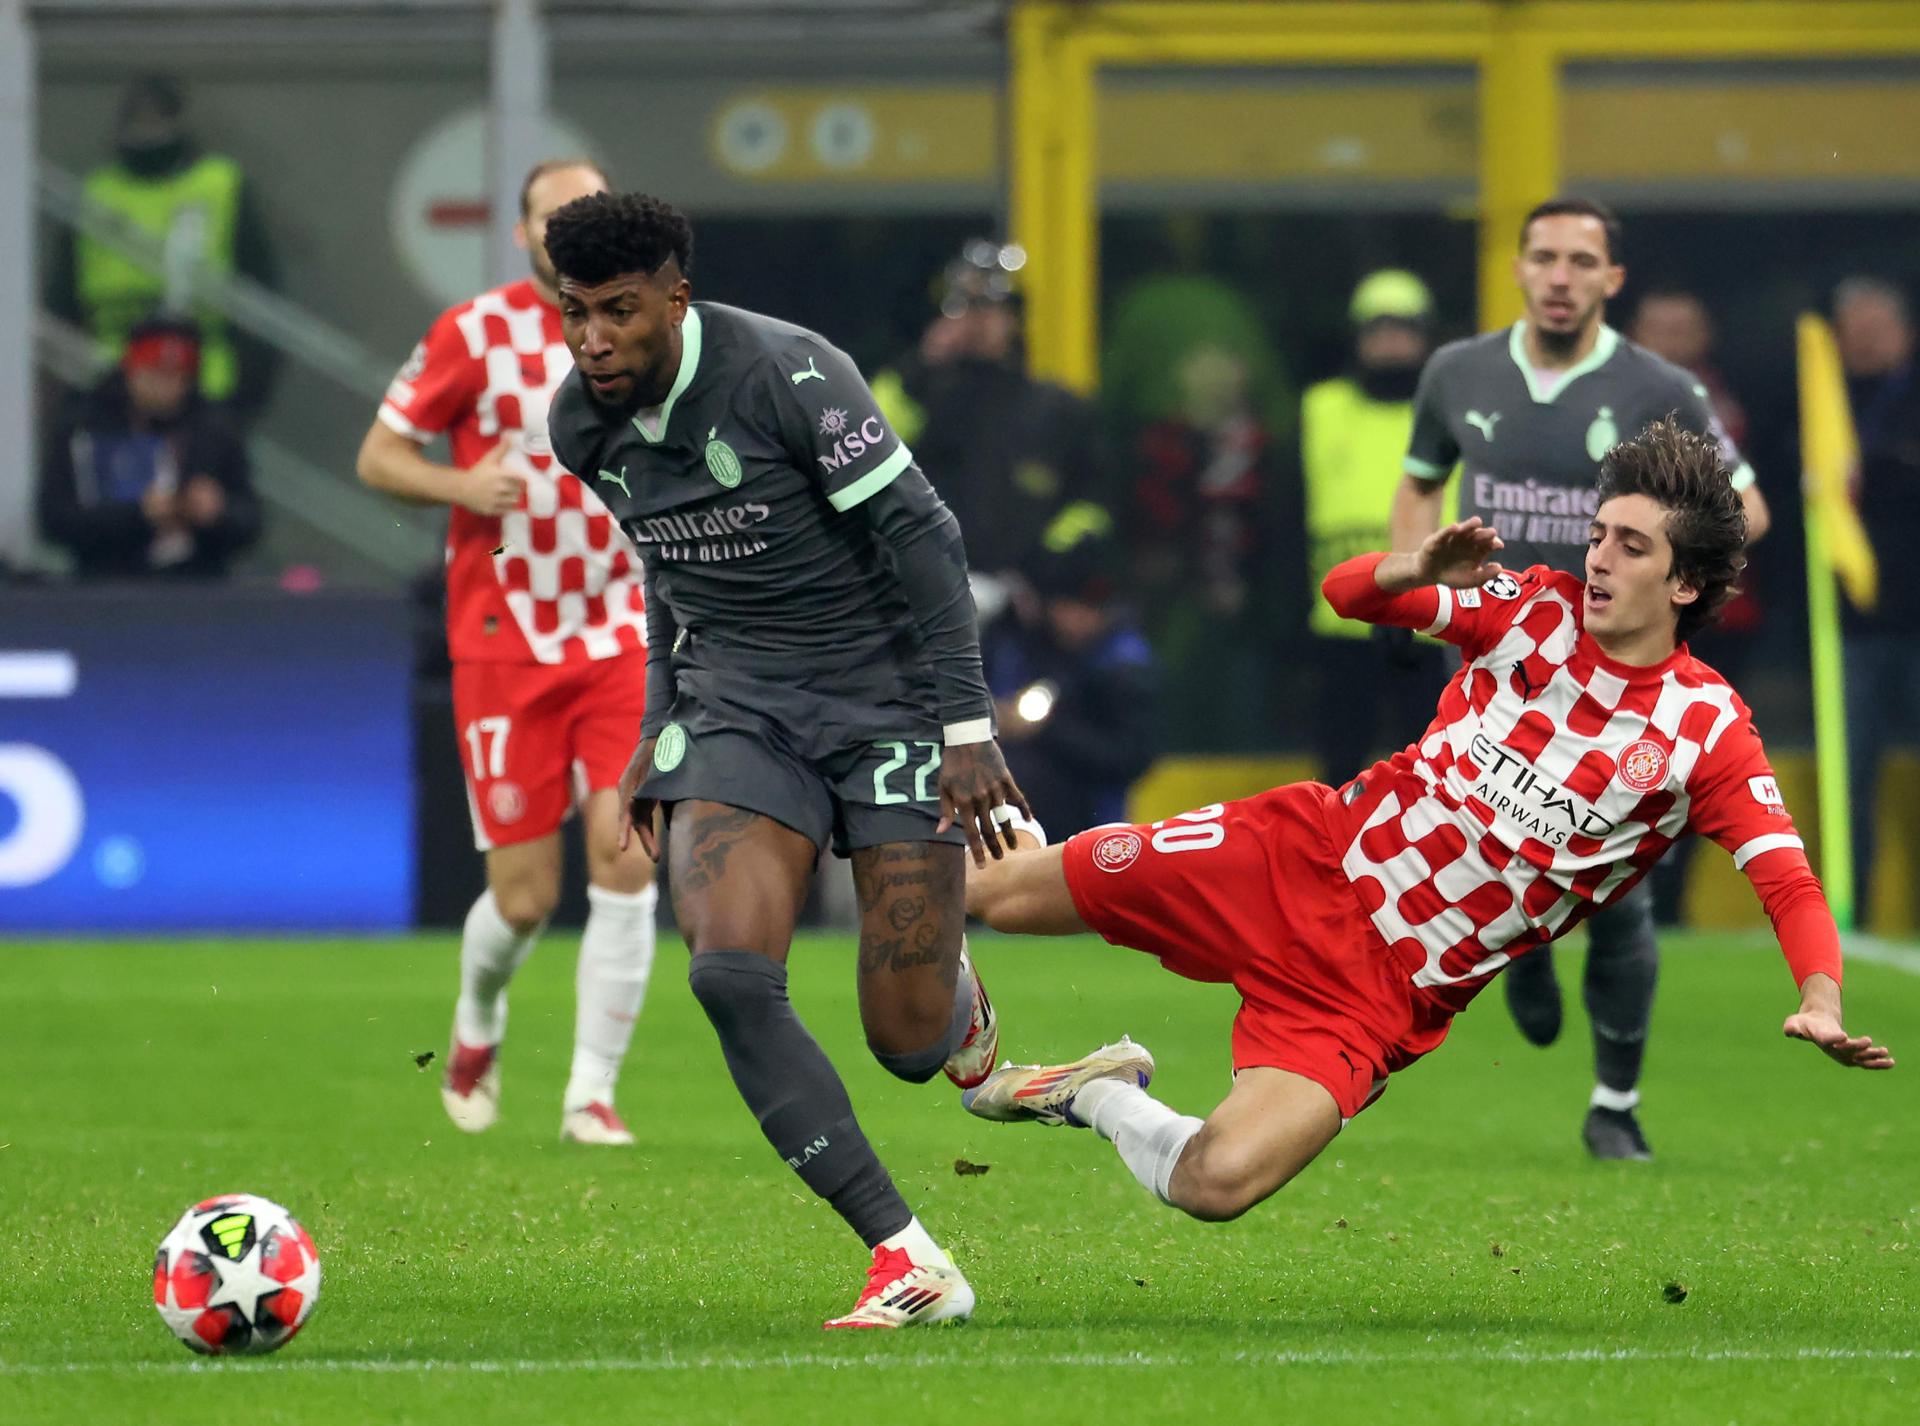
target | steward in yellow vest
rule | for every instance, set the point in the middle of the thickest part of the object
(193, 206)
(1353, 434)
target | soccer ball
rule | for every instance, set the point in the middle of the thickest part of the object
(237, 1276)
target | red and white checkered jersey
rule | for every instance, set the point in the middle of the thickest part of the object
(1551, 779)
(554, 580)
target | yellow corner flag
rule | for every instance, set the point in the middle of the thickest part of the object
(1829, 454)
(1837, 553)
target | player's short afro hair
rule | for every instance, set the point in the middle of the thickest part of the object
(601, 236)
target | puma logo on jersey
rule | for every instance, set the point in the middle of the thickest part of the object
(619, 480)
(1483, 424)
(810, 374)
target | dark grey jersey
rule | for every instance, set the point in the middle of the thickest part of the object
(736, 496)
(1529, 443)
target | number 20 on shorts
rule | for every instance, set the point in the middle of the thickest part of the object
(1197, 831)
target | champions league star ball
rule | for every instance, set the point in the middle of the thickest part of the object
(237, 1276)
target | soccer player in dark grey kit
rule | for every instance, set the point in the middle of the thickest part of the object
(1527, 413)
(813, 676)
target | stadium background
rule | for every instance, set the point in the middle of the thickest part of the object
(268, 754)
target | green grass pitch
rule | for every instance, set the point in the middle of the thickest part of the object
(1453, 1258)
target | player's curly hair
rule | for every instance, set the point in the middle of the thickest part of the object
(1684, 475)
(601, 236)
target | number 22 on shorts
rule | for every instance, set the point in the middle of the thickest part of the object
(885, 796)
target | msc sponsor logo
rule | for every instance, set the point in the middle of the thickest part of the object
(1117, 851)
(1538, 806)
(1643, 766)
(855, 443)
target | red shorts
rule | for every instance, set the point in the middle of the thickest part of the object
(1251, 893)
(536, 738)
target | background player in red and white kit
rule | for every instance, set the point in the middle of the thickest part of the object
(1577, 741)
(547, 635)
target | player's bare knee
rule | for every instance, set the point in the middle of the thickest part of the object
(1218, 1183)
(525, 906)
(911, 1043)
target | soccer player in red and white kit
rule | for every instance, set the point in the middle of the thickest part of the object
(1578, 740)
(547, 635)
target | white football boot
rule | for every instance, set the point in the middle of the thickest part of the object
(594, 1123)
(471, 1089)
(1043, 1094)
(973, 1061)
(903, 1293)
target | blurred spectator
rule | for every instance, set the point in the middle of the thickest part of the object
(1007, 453)
(1198, 378)
(147, 478)
(1675, 324)
(1874, 327)
(1075, 684)
(196, 205)
(1377, 685)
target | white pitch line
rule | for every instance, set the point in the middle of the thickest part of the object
(1023, 1362)
(1876, 951)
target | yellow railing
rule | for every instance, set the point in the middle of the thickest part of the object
(1517, 49)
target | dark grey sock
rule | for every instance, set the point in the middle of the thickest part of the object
(792, 1089)
(1623, 962)
(919, 1066)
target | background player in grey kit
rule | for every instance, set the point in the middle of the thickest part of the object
(1527, 413)
(814, 676)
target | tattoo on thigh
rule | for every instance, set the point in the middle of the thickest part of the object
(905, 953)
(916, 892)
(710, 841)
(903, 911)
(877, 870)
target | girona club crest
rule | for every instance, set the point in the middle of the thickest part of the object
(506, 801)
(1643, 766)
(1116, 851)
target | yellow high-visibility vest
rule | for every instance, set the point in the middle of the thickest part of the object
(1351, 449)
(200, 206)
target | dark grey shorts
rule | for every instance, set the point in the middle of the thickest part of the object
(851, 765)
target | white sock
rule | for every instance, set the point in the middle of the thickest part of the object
(919, 1245)
(1622, 1099)
(1149, 1135)
(490, 952)
(616, 957)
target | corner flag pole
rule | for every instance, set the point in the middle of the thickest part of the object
(1838, 554)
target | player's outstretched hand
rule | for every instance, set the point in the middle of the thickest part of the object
(973, 781)
(1822, 1027)
(1460, 555)
(639, 816)
(489, 488)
